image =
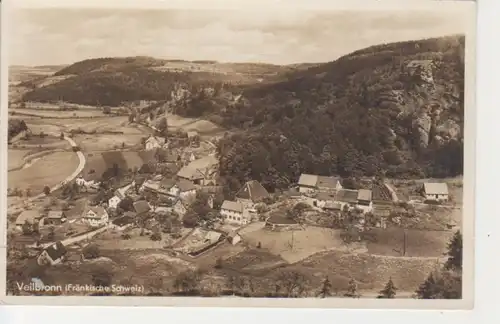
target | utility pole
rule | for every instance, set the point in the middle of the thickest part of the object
(405, 241)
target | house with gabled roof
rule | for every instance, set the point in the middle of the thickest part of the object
(233, 212)
(96, 216)
(53, 254)
(191, 174)
(251, 193)
(309, 183)
(55, 217)
(436, 191)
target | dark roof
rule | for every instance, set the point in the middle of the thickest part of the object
(141, 206)
(185, 185)
(56, 251)
(124, 220)
(280, 219)
(98, 210)
(347, 196)
(252, 190)
(327, 182)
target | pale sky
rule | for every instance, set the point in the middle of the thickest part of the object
(62, 36)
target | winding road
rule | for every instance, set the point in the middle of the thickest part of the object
(81, 165)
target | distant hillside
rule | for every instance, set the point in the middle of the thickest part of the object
(394, 109)
(113, 81)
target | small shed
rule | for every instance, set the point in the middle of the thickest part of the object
(234, 238)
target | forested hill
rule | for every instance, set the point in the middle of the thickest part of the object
(394, 109)
(114, 81)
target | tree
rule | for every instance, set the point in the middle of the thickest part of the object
(106, 110)
(441, 285)
(187, 281)
(389, 290)
(218, 263)
(52, 233)
(293, 283)
(454, 253)
(427, 290)
(91, 251)
(352, 289)
(27, 228)
(131, 118)
(46, 190)
(156, 236)
(326, 288)
(61, 136)
(163, 127)
(126, 204)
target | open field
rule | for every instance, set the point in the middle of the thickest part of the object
(370, 272)
(390, 242)
(107, 142)
(47, 171)
(16, 158)
(294, 246)
(99, 162)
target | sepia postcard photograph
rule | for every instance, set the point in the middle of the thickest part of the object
(238, 153)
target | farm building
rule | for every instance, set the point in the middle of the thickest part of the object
(436, 191)
(309, 183)
(328, 183)
(52, 255)
(347, 197)
(55, 217)
(96, 216)
(364, 200)
(251, 193)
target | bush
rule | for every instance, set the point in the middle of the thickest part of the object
(91, 251)
(156, 236)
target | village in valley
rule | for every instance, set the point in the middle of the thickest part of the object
(142, 176)
(160, 201)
